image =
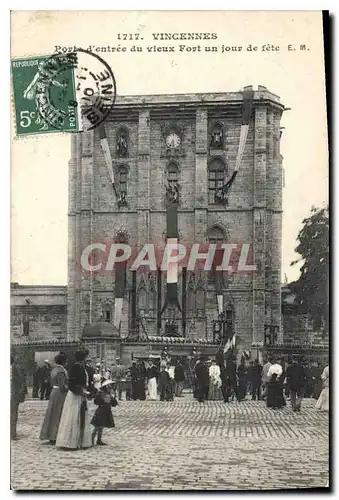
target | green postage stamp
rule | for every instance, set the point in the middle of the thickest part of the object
(45, 94)
(62, 92)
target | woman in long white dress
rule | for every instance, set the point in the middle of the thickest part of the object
(97, 378)
(74, 429)
(152, 374)
(323, 402)
(215, 382)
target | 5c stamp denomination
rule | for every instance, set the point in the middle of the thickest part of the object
(44, 95)
(63, 92)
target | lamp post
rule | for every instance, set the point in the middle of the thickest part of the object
(219, 327)
(275, 333)
(216, 330)
(268, 335)
(222, 320)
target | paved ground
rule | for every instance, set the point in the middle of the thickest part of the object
(181, 445)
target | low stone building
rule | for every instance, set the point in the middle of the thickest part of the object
(38, 312)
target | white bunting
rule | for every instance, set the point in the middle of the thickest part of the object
(108, 158)
(241, 148)
(118, 311)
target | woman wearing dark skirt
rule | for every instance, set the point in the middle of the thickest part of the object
(59, 380)
(275, 397)
(103, 414)
(140, 381)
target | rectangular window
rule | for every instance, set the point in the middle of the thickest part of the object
(123, 180)
(216, 179)
(211, 277)
(26, 328)
(108, 316)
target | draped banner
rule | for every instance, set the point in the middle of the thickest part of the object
(230, 344)
(220, 299)
(107, 154)
(172, 240)
(183, 299)
(134, 300)
(159, 284)
(120, 267)
(120, 279)
(117, 311)
(246, 116)
(172, 267)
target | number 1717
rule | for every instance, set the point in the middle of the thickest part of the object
(128, 36)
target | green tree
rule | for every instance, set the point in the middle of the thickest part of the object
(312, 288)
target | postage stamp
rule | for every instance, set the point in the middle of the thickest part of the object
(65, 93)
(31, 78)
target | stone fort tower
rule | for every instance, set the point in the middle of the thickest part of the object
(190, 140)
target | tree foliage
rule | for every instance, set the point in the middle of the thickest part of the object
(312, 287)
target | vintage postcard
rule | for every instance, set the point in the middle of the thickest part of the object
(169, 251)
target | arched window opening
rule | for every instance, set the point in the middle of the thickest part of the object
(25, 328)
(142, 296)
(107, 315)
(122, 143)
(152, 303)
(200, 298)
(217, 237)
(216, 180)
(142, 300)
(123, 174)
(190, 297)
(217, 136)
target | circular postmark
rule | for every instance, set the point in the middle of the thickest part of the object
(74, 91)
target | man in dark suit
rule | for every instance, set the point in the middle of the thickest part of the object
(296, 378)
(45, 380)
(203, 379)
(18, 393)
(179, 378)
(90, 372)
(254, 373)
(36, 381)
(231, 379)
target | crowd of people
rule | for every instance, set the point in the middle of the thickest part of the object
(274, 381)
(70, 385)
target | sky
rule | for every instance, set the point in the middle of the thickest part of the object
(39, 164)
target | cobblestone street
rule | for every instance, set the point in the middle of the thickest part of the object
(181, 445)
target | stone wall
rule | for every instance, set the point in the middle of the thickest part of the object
(38, 312)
